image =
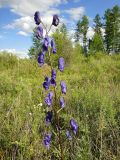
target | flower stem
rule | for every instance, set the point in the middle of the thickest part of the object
(56, 114)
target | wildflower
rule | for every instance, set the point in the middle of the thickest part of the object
(53, 46)
(37, 17)
(46, 43)
(61, 64)
(39, 32)
(48, 99)
(53, 74)
(56, 20)
(46, 83)
(41, 59)
(47, 140)
(62, 103)
(74, 126)
(49, 116)
(63, 87)
(53, 82)
(68, 135)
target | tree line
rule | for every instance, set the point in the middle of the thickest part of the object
(106, 36)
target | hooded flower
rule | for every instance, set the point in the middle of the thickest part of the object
(41, 59)
(74, 126)
(47, 140)
(62, 103)
(46, 43)
(61, 64)
(37, 17)
(56, 20)
(63, 87)
(53, 74)
(39, 32)
(53, 46)
(68, 135)
(46, 83)
(49, 116)
(48, 99)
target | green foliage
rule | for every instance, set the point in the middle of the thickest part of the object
(36, 47)
(96, 44)
(81, 30)
(93, 99)
(112, 31)
(63, 45)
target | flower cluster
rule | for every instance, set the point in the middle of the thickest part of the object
(51, 81)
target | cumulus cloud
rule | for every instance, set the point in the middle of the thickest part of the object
(26, 9)
(24, 24)
(76, 13)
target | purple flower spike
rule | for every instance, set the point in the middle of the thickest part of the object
(74, 126)
(46, 83)
(53, 46)
(53, 82)
(37, 17)
(41, 59)
(46, 43)
(62, 103)
(49, 116)
(39, 32)
(48, 99)
(50, 95)
(53, 74)
(63, 87)
(47, 140)
(56, 20)
(68, 135)
(61, 64)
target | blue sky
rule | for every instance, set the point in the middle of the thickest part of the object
(16, 18)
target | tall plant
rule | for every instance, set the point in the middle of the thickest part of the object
(54, 137)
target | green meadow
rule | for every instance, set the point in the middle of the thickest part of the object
(93, 99)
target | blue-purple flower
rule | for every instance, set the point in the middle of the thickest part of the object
(54, 50)
(47, 140)
(62, 103)
(46, 43)
(48, 99)
(68, 135)
(39, 32)
(49, 116)
(53, 74)
(46, 83)
(61, 64)
(63, 87)
(41, 58)
(37, 17)
(74, 126)
(56, 20)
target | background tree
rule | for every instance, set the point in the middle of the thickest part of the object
(35, 48)
(81, 30)
(98, 24)
(63, 43)
(112, 29)
(96, 44)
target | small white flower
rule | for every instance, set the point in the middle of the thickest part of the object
(40, 104)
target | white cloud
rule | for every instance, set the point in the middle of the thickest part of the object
(76, 13)
(25, 24)
(90, 33)
(21, 54)
(28, 7)
(22, 33)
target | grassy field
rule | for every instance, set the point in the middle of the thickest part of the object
(93, 99)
